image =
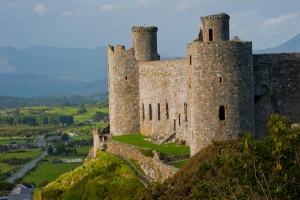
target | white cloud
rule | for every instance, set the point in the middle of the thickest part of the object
(109, 7)
(280, 19)
(41, 9)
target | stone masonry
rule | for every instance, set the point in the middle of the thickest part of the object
(218, 92)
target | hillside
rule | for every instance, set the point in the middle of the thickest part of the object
(233, 169)
(240, 169)
(290, 46)
(19, 102)
(106, 177)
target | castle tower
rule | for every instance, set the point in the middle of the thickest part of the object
(123, 73)
(145, 43)
(123, 88)
(220, 96)
(215, 27)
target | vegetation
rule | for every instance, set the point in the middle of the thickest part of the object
(165, 149)
(240, 169)
(106, 177)
(61, 100)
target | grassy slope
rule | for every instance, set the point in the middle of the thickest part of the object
(105, 177)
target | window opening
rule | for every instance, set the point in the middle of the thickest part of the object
(179, 119)
(158, 111)
(221, 80)
(222, 113)
(143, 111)
(150, 112)
(126, 78)
(167, 110)
(210, 35)
(190, 59)
(174, 124)
(185, 112)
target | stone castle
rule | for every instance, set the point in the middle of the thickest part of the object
(218, 92)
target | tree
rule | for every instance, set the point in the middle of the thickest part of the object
(81, 111)
(6, 186)
(64, 137)
(60, 149)
(50, 150)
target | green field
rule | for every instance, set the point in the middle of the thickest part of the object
(29, 153)
(49, 171)
(165, 149)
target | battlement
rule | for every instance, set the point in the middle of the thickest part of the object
(117, 48)
(217, 16)
(144, 29)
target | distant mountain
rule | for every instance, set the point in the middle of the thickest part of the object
(42, 70)
(290, 46)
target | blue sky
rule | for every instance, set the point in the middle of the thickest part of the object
(93, 23)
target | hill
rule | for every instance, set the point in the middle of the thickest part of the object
(106, 177)
(42, 70)
(233, 169)
(19, 102)
(290, 46)
(240, 169)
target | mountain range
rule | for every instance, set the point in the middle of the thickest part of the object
(45, 70)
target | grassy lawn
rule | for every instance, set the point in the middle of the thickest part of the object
(179, 164)
(6, 141)
(49, 171)
(165, 149)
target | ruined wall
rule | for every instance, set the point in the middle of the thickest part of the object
(163, 87)
(277, 88)
(123, 91)
(220, 90)
(152, 167)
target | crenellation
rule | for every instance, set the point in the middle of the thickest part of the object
(218, 92)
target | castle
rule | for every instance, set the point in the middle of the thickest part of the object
(218, 92)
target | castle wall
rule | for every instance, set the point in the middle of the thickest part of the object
(164, 83)
(153, 167)
(123, 91)
(220, 91)
(277, 88)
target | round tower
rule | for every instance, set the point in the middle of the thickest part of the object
(123, 88)
(215, 27)
(220, 96)
(145, 43)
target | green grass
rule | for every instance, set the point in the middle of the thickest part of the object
(29, 153)
(49, 171)
(165, 149)
(6, 141)
(32, 153)
(179, 164)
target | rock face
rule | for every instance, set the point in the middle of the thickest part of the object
(220, 91)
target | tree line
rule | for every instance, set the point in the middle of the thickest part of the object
(37, 120)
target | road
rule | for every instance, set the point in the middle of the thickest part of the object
(26, 168)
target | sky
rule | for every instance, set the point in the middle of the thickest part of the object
(96, 23)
